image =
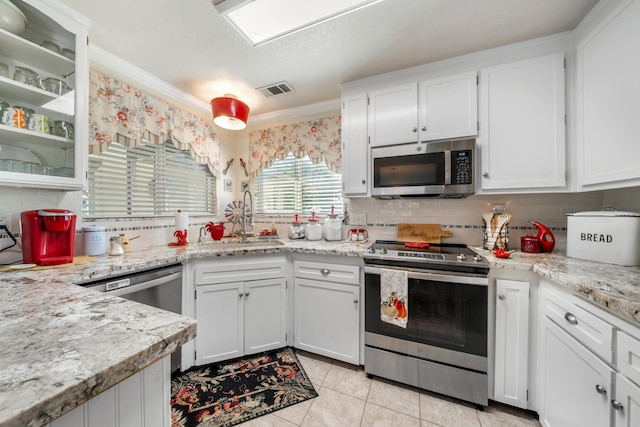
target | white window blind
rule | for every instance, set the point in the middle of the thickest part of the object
(145, 181)
(297, 186)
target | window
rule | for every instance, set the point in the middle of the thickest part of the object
(147, 180)
(297, 186)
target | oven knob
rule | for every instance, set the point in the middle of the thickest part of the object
(383, 251)
(372, 251)
(477, 257)
(461, 257)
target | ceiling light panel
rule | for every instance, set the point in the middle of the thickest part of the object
(261, 21)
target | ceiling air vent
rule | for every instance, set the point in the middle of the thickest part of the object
(275, 89)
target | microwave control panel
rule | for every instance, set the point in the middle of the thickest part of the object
(461, 167)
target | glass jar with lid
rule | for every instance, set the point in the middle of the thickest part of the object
(332, 226)
(314, 228)
(296, 229)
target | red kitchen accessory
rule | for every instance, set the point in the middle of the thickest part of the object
(546, 237)
(418, 245)
(217, 231)
(48, 236)
(501, 253)
(530, 244)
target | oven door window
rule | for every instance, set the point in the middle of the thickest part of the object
(441, 314)
(409, 171)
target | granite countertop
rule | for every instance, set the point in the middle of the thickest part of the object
(62, 344)
(613, 287)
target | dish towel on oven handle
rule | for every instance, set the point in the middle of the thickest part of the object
(394, 303)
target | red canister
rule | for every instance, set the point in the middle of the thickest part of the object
(530, 244)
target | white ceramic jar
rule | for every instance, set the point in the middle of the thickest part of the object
(93, 240)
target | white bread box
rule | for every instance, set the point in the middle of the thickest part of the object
(604, 236)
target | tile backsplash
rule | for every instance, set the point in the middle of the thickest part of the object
(463, 217)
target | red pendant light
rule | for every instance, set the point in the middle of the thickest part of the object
(229, 112)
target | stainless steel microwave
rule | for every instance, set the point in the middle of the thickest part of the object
(443, 169)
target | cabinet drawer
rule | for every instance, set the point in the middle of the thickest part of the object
(628, 354)
(238, 270)
(592, 331)
(337, 273)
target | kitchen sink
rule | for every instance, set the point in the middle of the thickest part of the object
(238, 244)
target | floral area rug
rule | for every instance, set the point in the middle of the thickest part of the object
(236, 391)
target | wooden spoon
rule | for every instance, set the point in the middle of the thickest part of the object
(502, 220)
(488, 216)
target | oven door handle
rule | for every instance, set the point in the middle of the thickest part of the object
(144, 285)
(436, 277)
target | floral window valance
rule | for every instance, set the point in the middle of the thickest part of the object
(118, 112)
(319, 139)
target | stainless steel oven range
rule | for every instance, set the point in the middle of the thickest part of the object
(442, 347)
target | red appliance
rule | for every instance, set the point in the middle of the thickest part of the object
(48, 236)
(547, 239)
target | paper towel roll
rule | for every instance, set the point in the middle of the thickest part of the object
(182, 221)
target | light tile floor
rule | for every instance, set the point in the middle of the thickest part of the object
(347, 398)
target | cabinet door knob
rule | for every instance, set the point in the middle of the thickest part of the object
(246, 294)
(601, 389)
(240, 295)
(325, 272)
(501, 297)
(415, 129)
(423, 128)
(486, 174)
(616, 405)
(571, 318)
(363, 181)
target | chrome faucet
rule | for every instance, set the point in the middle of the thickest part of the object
(244, 214)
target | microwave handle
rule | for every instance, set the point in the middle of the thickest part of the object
(447, 167)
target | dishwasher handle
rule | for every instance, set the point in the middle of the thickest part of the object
(120, 291)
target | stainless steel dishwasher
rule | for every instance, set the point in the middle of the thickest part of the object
(159, 287)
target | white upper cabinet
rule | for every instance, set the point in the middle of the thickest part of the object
(42, 145)
(442, 108)
(522, 125)
(608, 107)
(355, 156)
(393, 115)
(448, 107)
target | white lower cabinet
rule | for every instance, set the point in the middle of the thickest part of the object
(626, 404)
(576, 385)
(327, 309)
(142, 400)
(512, 342)
(589, 364)
(240, 307)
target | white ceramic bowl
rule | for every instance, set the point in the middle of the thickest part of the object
(11, 18)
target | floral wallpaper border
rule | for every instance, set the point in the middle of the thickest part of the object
(118, 112)
(319, 139)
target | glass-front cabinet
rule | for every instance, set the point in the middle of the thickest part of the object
(44, 97)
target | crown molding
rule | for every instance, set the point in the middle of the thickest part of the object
(118, 67)
(292, 113)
